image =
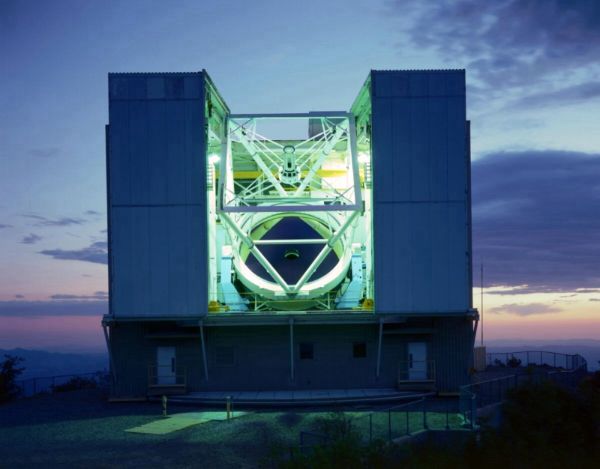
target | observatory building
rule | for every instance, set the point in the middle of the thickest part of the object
(312, 251)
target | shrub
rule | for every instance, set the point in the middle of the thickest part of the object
(9, 371)
(543, 424)
(513, 362)
(74, 384)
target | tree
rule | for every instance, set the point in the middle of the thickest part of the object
(9, 371)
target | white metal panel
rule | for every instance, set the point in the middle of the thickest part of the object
(157, 151)
(420, 191)
(383, 131)
(441, 246)
(138, 152)
(457, 168)
(399, 163)
(417, 361)
(120, 172)
(438, 147)
(178, 242)
(403, 255)
(418, 84)
(176, 163)
(136, 88)
(195, 153)
(165, 365)
(390, 84)
(157, 184)
(158, 225)
(121, 273)
(197, 260)
(420, 225)
(459, 290)
(419, 154)
(192, 85)
(155, 87)
(140, 260)
(386, 257)
(437, 83)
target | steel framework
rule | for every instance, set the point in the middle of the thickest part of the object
(290, 181)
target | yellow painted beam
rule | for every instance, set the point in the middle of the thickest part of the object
(325, 173)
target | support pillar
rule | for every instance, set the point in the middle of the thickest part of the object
(379, 347)
(113, 371)
(292, 350)
(204, 360)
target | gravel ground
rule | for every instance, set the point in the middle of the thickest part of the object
(81, 429)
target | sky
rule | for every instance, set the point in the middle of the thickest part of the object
(533, 96)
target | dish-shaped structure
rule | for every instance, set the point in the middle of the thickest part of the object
(292, 220)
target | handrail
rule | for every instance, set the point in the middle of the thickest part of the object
(493, 391)
(534, 351)
(493, 380)
(178, 375)
(38, 384)
(397, 421)
(404, 369)
(74, 375)
(571, 361)
(400, 406)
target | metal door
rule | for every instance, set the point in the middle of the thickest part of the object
(417, 361)
(165, 365)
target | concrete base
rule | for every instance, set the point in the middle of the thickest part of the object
(302, 397)
(479, 358)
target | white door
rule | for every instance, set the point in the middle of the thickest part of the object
(417, 361)
(165, 365)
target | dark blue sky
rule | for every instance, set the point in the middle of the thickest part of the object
(533, 69)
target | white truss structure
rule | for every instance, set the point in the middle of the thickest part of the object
(291, 181)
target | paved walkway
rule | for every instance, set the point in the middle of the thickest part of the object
(180, 421)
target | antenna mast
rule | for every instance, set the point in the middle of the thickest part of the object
(481, 304)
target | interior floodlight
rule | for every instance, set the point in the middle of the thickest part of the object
(213, 158)
(363, 157)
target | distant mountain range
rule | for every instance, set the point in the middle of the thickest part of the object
(40, 363)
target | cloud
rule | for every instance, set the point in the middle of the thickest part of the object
(513, 45)
(588, 290)
(4, 225)
(524, 309)
(534, 222)
(518, 289)
(19, 296)
(96, 253)
(92, 212)
(53, 308)
(594, 299)
(99, 295)
(44, 221)
(576, 94)
(44, 152)
(31, 238)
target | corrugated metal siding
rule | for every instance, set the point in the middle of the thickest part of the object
(262, 360)
(451, 349)
(157, 194)
(420, 173)
(262, 357)
(132, 355)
